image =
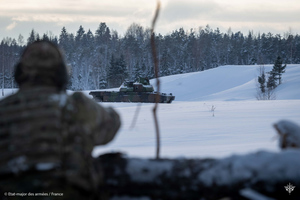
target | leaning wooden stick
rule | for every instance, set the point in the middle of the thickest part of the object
(155, 60)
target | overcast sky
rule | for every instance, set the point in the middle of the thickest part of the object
(49, 16)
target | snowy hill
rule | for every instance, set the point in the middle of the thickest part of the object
(227, 83)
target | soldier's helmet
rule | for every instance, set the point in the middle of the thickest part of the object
(42, 64)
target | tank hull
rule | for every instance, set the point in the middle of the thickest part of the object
(144, 97)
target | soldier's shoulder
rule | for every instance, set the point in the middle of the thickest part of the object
(78, 95)
(81, 98)
(9, 99)
(84, 103)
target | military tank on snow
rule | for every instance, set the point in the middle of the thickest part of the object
(133, 91)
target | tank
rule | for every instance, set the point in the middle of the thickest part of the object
(133, 91)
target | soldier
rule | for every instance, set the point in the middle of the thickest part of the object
(47, 136)
(289, 134)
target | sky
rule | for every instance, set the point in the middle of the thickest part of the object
(50, 16)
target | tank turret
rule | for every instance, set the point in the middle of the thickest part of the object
(141, 85)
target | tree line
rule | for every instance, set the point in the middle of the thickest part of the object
(105, 59)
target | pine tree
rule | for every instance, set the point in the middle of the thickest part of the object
(262, 82)
(137, 71)
(278, 69)
(79, 35)
(63, 37)
(117, 72)
(111, 69)
(164, 64)
(45, 37)
(121, 68)
(32, 37)
(102, 34)
(271, 84)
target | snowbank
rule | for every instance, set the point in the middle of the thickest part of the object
(227, 83)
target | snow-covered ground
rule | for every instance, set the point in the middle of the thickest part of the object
(239, 124)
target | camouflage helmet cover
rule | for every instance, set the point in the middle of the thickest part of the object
(42, 63)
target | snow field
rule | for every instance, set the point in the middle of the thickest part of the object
(241, 124)
(188, 129)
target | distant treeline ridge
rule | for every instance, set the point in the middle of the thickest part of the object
(105, 59)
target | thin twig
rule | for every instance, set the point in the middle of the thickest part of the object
(136, 114)
(157, 97)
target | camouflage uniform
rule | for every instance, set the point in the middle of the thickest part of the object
(47, 136)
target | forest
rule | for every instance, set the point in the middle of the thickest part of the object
(105, 59)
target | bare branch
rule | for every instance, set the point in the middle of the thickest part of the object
(136, 114)
(155, 60)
